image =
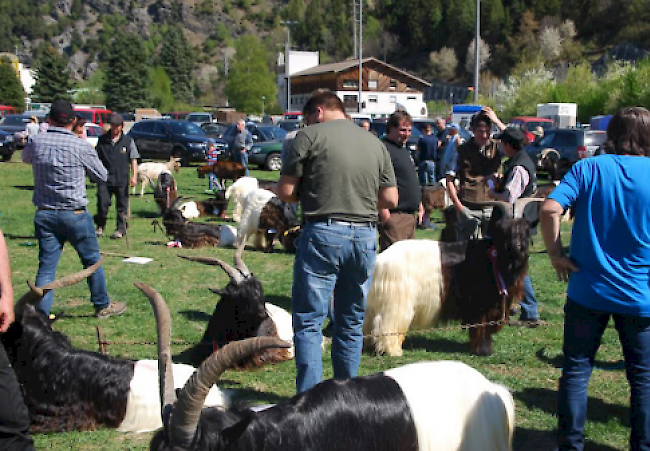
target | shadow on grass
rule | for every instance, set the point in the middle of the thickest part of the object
(145, 214)
(556, 362)
(196, 316)
(246, 397)
(280, 301)
(598, 410)
(530, 439)
(25, 187)
(435, 345)
(11, 236)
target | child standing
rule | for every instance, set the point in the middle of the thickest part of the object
(212, 158)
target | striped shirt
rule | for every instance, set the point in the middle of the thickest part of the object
(60, 162)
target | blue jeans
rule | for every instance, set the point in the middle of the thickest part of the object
(427, 172)
(583, 329)
(241, 157)
(211, 180)
(332, 258)
(53, 229)
(529, 303)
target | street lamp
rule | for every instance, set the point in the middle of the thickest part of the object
(476, 49)
(263, 99)
(287, 50)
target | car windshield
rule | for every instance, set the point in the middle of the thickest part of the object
(531, 126)
(14, 120)
(185, 128)
(272, 132)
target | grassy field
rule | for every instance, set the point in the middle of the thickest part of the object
(526, 360)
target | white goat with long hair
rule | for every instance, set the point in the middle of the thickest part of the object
(149, 172)
(250, 217)
(238, 192)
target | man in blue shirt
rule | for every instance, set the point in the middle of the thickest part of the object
(428, 149)
(608, 270)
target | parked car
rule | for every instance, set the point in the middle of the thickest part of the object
(199, 118)
(559, 149)
(7, 145)
(214, 129)
(93, 132)
(260, 133)
(289, 124)
(528, 124)
(162, 138)
(6, 109)
(178, 115)
(99, 116)
(267, 155)
(16, 124)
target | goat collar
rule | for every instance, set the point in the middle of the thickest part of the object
(501, 284)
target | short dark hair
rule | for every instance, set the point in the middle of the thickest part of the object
(323, 98)
(628, 132)
(396, 119)
(79, 121)
(480, 118)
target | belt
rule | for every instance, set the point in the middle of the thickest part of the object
(333, 220)
(76, 210)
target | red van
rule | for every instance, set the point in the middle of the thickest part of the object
(528, 124)
(6, 109)
(99, 116)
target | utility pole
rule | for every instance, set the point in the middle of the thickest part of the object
(476, 49)
(354, 28)
(287, 51)
(361, 53)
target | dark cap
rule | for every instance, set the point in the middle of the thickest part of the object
(61, 112)
(116, 119)
(512, 135)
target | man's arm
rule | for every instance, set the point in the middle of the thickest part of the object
(6, 290)
(387, 198)
(94, 167)
(287, 189)
(550, 225)
(494, 118)
(134, 172)
(453, 194)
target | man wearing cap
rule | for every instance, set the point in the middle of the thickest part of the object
(118, 153)
(519, 180)
(60, 162)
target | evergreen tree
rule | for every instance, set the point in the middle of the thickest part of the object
(249, 78)
(52, 78)
(178, 59)
(127, 76)
(11, 90)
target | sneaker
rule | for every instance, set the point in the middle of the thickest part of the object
(99, 231)
(117, 235)
(113, 309)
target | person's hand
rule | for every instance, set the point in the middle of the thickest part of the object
(384, 215)
(6, 314)
(490, 113)
(563, 266)
(134, 181)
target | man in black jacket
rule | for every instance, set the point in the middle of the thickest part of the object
(119, 155)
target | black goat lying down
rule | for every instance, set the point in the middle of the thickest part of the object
(190, 234)
(426, 406)
(242, 312)
(69, 389)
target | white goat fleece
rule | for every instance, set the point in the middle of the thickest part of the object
(227, 236)
(143, 404)
(283, 323)
(459, 410)
(150, 171)
(238, 191)
(405, 293)
(250, 218)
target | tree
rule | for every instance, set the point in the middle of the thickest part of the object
(483, 56)
(11, 90)
(161, 90)
(443, 64)
(127, 77)
(52, 78)
(177, 58)
(550, 43)
(249, 78)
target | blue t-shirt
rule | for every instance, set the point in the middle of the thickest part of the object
(610, 241)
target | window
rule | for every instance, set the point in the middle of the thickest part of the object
(393, 85)
(372, 99)
(349, 98)
(411, 98)
(159, 129)
(350, 84)
(372, 84)
(393, 99)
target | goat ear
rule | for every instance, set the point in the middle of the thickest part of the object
(231, 434)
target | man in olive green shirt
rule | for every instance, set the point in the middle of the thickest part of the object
(342, 175)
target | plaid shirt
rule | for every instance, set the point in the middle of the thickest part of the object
(60, 161)
(213, 154)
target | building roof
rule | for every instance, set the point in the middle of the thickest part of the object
(348, 64)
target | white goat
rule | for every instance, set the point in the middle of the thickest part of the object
(150, 171)
(238, 191)
(250, 217)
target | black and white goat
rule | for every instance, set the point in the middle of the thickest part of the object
(427, 406)
(242, 312)
(70, 389)
(192, 234)
(215, 206)
(165, 193)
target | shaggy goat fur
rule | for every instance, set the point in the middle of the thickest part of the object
(190, 234)
(237, 192)
(165, 193)
(223, 170)
(426, 406)
(148, 172)
(266, 218)
(242, 312)
(70, 389)
(422, 283)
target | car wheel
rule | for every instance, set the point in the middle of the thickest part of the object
(7, 157)
(179, 152)
(273, 162)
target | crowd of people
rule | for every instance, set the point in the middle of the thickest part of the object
(358, 195)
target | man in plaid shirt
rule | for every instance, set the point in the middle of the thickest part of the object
(60, 162)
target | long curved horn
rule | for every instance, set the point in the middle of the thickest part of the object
(164, 329)
(177, 202)
(235, 275)
(239, 263)
(35, 294)
(187, 410)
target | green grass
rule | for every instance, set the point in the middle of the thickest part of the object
(526, 360)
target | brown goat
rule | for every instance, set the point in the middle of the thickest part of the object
(433, 198)
(224, 170)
